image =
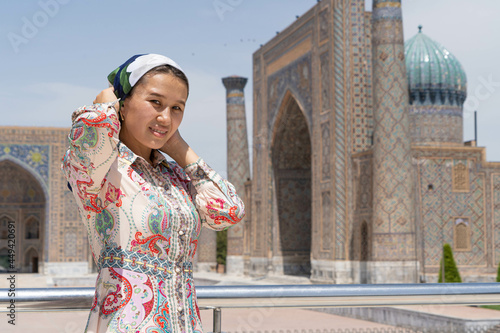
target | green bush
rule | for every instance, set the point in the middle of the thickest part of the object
(451, 273)
(498, 273)
(221, 247)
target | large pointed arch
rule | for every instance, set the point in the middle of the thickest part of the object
(40, 180)
(291, 160)
(23, 201)
(289, 99)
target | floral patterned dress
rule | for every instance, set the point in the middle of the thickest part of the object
(143, 223)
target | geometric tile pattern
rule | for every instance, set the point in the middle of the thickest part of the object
(70, 240)
(441, 207)
(364, 199)
(368, 89)
(323, 25)
(325, 70)
(70, 213)
(393, 213)
(238, 162)
(341, 149)
(436, 124)
(257, 240)
(296, 77)
(361, 131)
(495, 186)
(294, 210)
(326, 224)
(32, 157)
(258, 129)
(325, 151)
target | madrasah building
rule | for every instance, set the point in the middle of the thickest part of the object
(360, 172)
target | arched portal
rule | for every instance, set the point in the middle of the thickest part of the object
(364, 242)
(22, 216)
(31, 261)
(364, 253)
(291, 159)
(4, 260)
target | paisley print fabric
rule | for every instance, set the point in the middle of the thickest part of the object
(143, 223)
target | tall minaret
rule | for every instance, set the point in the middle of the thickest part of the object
(393, 257)
(238, 163)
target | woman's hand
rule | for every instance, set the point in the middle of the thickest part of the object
(106, 96)
(179, 150)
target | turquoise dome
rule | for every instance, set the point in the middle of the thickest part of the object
(435, 77)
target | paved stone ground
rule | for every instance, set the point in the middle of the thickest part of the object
(232, 320)
(455, 311)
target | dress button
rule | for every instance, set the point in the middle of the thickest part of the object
(177, 269)
(160, 183)
(181, 232)
(180, 309)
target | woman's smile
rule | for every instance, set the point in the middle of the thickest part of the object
(159, 132)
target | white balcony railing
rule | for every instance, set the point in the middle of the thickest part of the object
(302, 296)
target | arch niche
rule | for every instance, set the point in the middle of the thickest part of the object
(291, 161)
(22, 204)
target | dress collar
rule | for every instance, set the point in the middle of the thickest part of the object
(131, 157)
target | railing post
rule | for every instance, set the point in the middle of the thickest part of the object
(217, 320)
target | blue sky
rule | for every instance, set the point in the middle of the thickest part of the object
(57, 54)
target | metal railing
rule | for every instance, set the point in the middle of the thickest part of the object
(302, 296)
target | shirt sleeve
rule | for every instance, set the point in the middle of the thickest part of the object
(92, 150)
(218, 204)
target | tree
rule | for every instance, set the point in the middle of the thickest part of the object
(221, 247)
(451, 273)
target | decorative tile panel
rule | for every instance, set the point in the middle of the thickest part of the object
(325, 151)
(393, 185)
(325, 70)
(326, 221)
(33, 157)
(341, 95)
(440, 207)
(295, 78)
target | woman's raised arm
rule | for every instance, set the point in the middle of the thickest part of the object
(92, 148)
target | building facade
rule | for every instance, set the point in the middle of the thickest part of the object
(49, 236)
(360, 174)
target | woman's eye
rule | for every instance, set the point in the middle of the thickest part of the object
(177, 108)
(155, 101)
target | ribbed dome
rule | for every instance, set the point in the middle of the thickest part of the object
(435, 76)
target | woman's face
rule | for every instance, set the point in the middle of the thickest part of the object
(153, 113)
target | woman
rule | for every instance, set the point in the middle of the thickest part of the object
(144, 214)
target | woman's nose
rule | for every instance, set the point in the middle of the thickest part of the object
(164, 116)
